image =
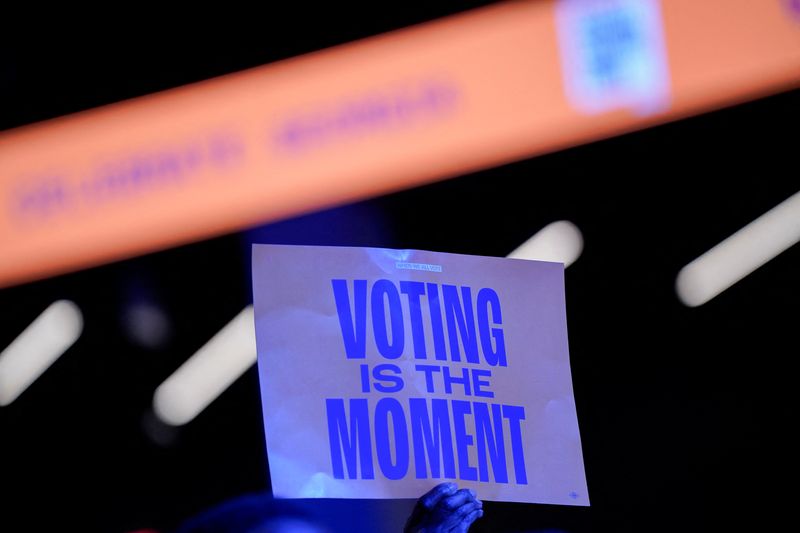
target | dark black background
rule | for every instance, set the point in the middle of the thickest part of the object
(686, 415)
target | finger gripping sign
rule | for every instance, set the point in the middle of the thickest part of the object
(385, 372)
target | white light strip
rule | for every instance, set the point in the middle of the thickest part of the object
(740, 254)
(38, 347)
(206, 375)
(560, 242)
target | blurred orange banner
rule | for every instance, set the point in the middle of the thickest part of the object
(471, 91)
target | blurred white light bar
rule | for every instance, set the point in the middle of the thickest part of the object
(206, 375)
(560, 242)
(38, 347)
(740, 254)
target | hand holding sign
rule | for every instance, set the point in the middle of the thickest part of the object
(445, 509)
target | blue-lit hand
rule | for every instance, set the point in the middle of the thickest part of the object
(445, 509)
